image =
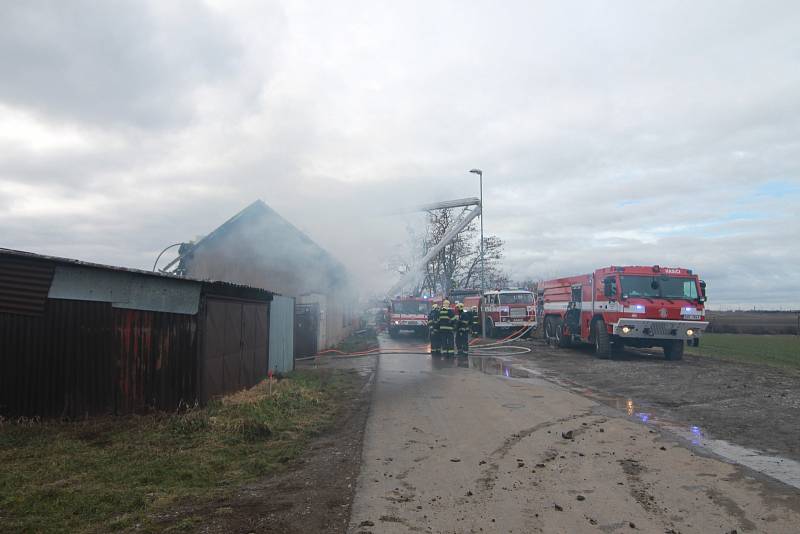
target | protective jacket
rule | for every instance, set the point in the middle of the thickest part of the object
(433, 320)
(445, 320)
(464, 321)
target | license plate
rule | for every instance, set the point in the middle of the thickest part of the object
(692, 317)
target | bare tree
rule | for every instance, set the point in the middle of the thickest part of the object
(458, 264)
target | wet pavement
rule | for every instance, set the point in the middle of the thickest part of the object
(780, 468)
(745, 413)
(507, 449)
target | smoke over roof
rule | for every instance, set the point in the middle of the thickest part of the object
(257, 246)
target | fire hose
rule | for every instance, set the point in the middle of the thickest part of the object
(496, 348)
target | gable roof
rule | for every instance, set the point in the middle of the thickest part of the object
(259, 213)
(253, 211)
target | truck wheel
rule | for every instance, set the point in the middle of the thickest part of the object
(673, 350)
(558, 334)
(393, 332)
(548, 329)
(490, 331)
(602, 343)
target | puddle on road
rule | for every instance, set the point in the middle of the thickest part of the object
(782, 469)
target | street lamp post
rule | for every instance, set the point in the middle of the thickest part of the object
(483, 264)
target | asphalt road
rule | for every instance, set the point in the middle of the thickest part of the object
(449, 448)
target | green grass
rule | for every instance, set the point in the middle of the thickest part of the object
(776, 350)
(116, 472)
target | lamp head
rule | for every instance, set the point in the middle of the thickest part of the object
(476, 171)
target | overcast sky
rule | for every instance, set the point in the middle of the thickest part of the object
(614, 132)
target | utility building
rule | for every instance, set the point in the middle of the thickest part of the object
(80, 338)
(257, 247)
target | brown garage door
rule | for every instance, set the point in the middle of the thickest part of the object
(235, 346)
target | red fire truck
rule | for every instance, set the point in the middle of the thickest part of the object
(508, 309)
(617, 306)
(409, 314)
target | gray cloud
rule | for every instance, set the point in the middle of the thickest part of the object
(112, 63)
(632, 132)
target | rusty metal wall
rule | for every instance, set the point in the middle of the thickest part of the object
(81, 358)
(156, 355)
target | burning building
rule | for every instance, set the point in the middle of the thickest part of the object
(257, 247)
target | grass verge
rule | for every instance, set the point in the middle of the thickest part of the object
(116, 473)
(358, 342)
(776, 350)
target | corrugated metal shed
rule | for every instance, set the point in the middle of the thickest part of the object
(95, 339)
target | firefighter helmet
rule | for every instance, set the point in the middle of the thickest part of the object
(446, 304)
(435, 306)
(459, 305)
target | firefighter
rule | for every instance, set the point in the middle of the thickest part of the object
(446, 329)
(433, 328)
(464, 323)
(476, 322)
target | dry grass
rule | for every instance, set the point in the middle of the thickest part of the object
(110, 474)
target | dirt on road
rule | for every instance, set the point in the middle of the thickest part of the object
(755, 406)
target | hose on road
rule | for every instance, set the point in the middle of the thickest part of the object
(496, 348)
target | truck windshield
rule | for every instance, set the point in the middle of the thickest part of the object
(658, 287)
(415, 307)
(516, 298)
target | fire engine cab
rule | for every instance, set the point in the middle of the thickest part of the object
(508, 309)
(617, 306)
(409, 314)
